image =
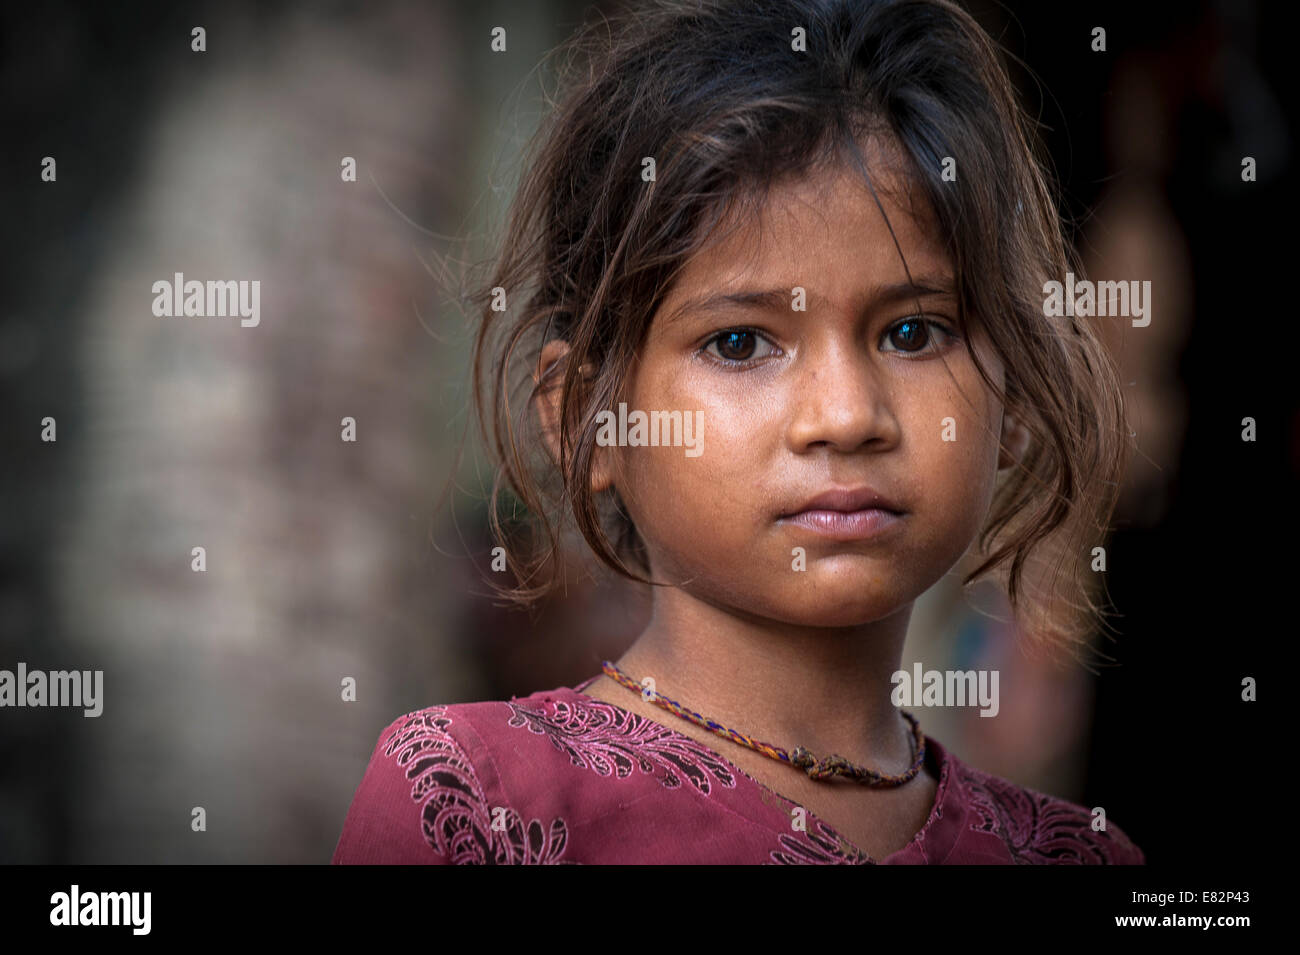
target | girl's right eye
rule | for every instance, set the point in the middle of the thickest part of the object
(735, 345)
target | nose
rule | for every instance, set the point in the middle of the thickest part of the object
(840, 399)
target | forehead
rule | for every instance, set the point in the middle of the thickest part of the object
(825, 229)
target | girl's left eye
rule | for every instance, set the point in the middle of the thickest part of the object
(915, 335)
(736, 345)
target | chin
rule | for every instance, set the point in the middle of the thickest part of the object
(826, 607)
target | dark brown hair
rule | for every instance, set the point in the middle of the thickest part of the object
(719, 96)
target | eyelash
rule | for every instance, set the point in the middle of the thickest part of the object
(747, 362)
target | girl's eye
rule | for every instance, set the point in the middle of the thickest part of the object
(912, 335)
(736, 345)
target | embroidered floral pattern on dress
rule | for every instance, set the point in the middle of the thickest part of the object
(823, 847)
(455, 817)
(609, 740)
(976, 818)
(830, 848)
(1038, 829)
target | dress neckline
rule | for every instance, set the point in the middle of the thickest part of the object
(936, 756)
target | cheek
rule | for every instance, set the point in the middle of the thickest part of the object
(693, 507)
(960, 455)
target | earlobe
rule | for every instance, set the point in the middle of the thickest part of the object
(548, 397)
(548, 411)
(1015, 441)
(602, 478)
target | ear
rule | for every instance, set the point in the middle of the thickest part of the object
(1015, 441)
(549, 398)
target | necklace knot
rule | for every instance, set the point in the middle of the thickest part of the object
(833, 765)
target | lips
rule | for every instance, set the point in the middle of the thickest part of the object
(848, 500)
(846, 514)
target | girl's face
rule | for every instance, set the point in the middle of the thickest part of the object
(850, 392)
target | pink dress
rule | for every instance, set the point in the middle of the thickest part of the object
(561, 777)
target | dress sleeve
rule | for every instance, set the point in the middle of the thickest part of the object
(392, 810)
(1124, 851)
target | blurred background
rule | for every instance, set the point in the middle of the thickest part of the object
(328, 560)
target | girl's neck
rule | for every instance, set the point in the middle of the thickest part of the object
(827, 689)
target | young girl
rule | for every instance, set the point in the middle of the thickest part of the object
(775, 286)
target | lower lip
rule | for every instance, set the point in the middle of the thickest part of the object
(845, 525)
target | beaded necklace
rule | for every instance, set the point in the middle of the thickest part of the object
(817, 769)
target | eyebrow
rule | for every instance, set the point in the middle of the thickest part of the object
(778, 299)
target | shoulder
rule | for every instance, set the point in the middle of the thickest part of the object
(442, 786)
(1040, 829)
